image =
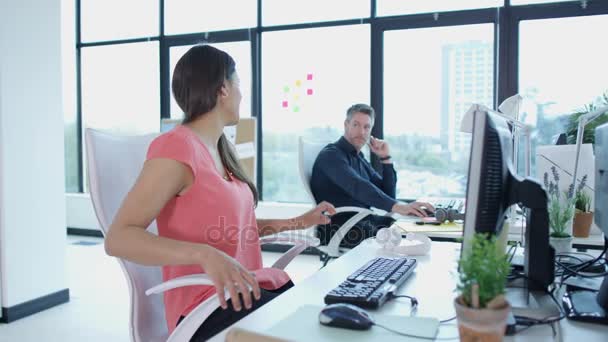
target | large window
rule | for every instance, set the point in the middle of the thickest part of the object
(190, 16)
(396, 7)
(118, 19)
(281, 12)
(560, 71)
(70, 142)
(310, 77)
(303, 63)
(240, 52)
(120, 88)
(431, 77)
(527, 2)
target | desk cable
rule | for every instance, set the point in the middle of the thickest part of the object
(414, 304)
(529, 322)
(416, 336)
(566, 271)
(391, 295)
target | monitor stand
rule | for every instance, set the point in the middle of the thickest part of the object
(539, 256)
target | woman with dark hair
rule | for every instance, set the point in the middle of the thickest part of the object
(203, 202)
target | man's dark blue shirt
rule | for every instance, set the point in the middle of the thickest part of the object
(342, 177)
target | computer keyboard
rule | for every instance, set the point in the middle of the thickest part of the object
(369, 286)
(445, 202)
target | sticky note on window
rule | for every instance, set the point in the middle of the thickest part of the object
(285, 104)
(296, 109)
(286, 89)
(309, 77)
(298, 83)
(308, 91)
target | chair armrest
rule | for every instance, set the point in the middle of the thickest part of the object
(297, 238)
(189, 280)
(291, 238)
(333, 247)
(188, 326)
(353, 209)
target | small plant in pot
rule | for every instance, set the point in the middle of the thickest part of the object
(481, 307)
(561, 212)
(583, 216)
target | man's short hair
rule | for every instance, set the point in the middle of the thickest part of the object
(361, 108)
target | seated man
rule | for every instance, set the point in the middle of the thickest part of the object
(343, 177)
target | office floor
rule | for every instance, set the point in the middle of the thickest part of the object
(98, 307)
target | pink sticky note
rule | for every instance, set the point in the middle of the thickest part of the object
(309, 77)
(285, 104)
(308, 91)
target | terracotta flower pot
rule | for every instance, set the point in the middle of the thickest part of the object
(582, 224)
(476, 325)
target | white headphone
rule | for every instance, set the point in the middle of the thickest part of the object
(415, 243)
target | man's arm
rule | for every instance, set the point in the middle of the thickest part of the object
(388, 181)
(335, 166)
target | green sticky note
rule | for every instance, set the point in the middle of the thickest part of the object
(296, 109)
(286, 89)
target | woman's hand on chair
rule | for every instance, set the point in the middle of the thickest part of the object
(318, 215)
(227, 273)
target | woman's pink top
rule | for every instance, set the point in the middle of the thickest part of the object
(214, 211)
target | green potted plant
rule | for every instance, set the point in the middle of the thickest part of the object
(589, 133)
(561, 212)
(481, 307)
(583, 216)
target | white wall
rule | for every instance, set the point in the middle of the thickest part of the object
(32, 202)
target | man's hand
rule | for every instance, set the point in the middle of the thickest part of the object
(414, 208)
(379, 147)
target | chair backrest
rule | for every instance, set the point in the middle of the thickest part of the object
(307, 154)
(114, 163)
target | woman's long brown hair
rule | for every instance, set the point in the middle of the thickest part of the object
(197, 80)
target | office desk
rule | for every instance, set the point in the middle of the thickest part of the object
(432, 283)
(453, 231)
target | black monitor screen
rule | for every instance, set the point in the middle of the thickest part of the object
(489, 175)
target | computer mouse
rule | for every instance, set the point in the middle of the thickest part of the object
(345, 316)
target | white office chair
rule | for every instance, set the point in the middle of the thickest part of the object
(307, 154)
(126, 155)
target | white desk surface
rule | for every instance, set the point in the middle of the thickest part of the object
(454, 231)
(432, 283)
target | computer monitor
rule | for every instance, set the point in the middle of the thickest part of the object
(493, 186)
(585, 305)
